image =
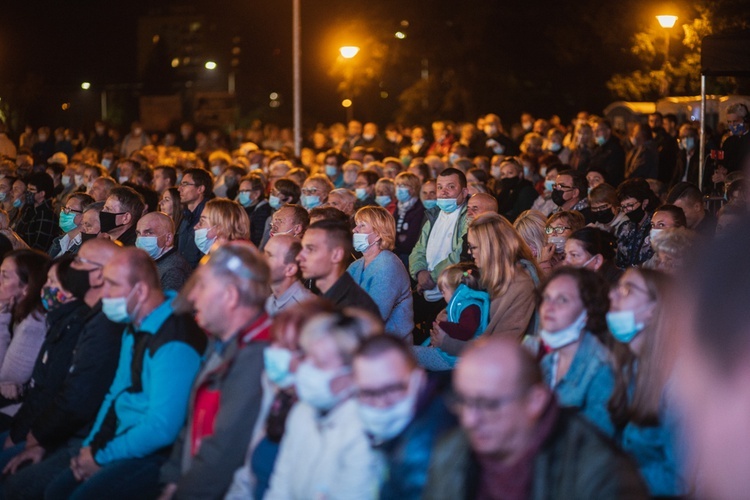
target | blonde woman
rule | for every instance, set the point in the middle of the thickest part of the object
(222, 220)
(380, 272)
(531, 227)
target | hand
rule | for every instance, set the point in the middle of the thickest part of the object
(8, 443)
(424, 281)
(720, 175)
(31, 440)
(84, 466)
(547, 252)
(437, 335)
(442, 316)
(33, 455)
(10, 391)
(168, 492)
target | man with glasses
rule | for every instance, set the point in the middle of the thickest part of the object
(570, 191)
(516, 442)
(196, 188)
(36, 225)
(71, 220)
(403, 411)
(637, 202)
(121, 212)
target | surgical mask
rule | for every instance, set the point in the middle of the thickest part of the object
(549, 185)
(555, 147)
(216, 170)
(687, 143)
(332, 170)
(65, 179)
(106, 162)
(654, 232)
(452, 158)
(310, 201)
(3, 196)
(116, 308)
(559, 242)
(78, 179)
(314, 386)
(527, 171)
(52, 297)
(498, 149)
(566, 336)
(274, 201)
(583, 266)
(447, 205)
(277, 362)
(383, 201)
(67, 221)
(402, 194)
(623, 326)
(254, 166)
(244, 198)
(361, 193)
(527, 125)
(123, 179)
(17, 203)
(149, 245)
(543, 171)
(558, 197)
(737, 129)
(108, 221)
(384, 424)
(495, 171)
(361, 242)
(600, 140)
(428, 204)
(202, 241)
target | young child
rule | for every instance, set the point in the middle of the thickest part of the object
(467, 314)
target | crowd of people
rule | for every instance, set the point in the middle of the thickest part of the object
(458, 312)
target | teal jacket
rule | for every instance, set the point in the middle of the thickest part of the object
(418, 257)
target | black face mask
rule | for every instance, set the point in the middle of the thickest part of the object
(107, 221)
(603, 216)
(509, 184)
(77, 282)
(29, 198)
(557, 197)
(636, 215)
(87, 236)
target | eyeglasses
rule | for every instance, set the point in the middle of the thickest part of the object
(67, 210)
(556, 230)
(601, 208)
(563, 187)
(186, 184)
(629, 207)
(309, 191)
(626, 289)
(387, 395)
(459, 403)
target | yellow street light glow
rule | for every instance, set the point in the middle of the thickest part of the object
(666, 21)
(349, 51)
(210, 65)
(274, 96)
(346, 103)
(85, 85)
(400, 35)
(175, 62)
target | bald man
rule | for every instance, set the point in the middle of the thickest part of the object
(516, 442)
(286, 288)
(480, 203)
(155, 234)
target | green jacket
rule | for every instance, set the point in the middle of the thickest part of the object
(418, 256)
(574, 462)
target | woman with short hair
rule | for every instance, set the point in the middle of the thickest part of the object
(221, 220)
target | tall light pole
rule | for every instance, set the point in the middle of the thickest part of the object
(297, 77)
(348, 52)
(666, 22)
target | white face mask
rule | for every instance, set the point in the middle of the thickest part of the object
(568, 335)
(361, 242)
(202, 241)
(314, 386)
(386, 423)
(277, 363)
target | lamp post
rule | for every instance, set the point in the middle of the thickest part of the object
(348, 52)
(667, 22)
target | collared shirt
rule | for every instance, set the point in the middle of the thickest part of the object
(37, 225)
(295, 294)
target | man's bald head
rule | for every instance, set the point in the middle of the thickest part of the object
(502, 362)
(158, 220)
(140, 267)
(99, 250)
(480, 203)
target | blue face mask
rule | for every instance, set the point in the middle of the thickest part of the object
(3, 196)
(600, 140)
(737, 129)
(555, 147)
(402, 194)
(687, 143)
(452, 158)
(17, 203)
(274, 201)
(310, 201)
(244, 198)
(277, 362)
(149, 245)
(447, 205)
(549, 185)
(116, 308)
(202, 241)
(428, 204)
(622, 325)
(67, 221)
(332, 171)
(383, 201)
(361, 193)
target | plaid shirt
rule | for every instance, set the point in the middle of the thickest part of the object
(37, 225)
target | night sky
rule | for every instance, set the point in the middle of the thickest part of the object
(544, 56)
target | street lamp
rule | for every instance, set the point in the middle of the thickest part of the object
(666, 22)
(349, 51)
(210, 65)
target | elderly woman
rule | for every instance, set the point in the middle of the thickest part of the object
(671, 248)
(385, 194)
(380, 272)
(325, 452)
(530, 226)
(640, 405)
(315, 191)
(560, 226)
(573, 320)
(222, 220)
(409, 214)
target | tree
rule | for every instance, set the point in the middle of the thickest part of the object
(682, 70)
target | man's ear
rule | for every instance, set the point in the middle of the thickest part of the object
(337, 255)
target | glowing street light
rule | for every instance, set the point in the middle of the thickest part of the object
(210, 65)
(666, 22)
(86, 85)
(349, 51)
